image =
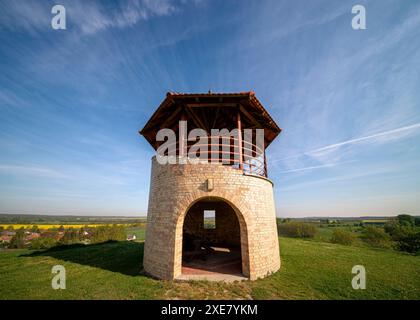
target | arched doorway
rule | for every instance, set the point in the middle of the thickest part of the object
(211, 242)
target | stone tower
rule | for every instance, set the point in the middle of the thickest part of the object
(213, 217)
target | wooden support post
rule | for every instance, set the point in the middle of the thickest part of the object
(238, 118)
(182, 132)
(265, 165)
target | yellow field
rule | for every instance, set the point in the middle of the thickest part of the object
(376, 220)
(49, 226)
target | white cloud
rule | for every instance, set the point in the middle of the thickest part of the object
(328, 165)
(381, 137)
(32, 171)
(379, 171)
(87, 16)
(29, 15)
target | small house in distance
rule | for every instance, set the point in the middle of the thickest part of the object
(212, 220)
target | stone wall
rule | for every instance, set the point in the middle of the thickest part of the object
(176, 188)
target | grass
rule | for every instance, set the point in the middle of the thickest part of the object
(318, 270)
(375, 220)
(324, 234)
(105, 271)
(310, 270)
(139, 232)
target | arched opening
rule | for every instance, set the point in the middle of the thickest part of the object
(211, 242)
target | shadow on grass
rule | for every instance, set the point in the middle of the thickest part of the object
(116, 256)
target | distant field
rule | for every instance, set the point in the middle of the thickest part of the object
(310, 270)
(52, 226)
(375, 220)
(140, 233)
(30, 219)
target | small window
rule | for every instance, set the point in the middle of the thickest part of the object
(209, 219)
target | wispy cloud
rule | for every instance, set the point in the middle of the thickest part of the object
(328, 165)
(24, 171)
(339, 178)
(383, 137)
(87, 16)
(91, 17)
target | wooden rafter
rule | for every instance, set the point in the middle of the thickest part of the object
(211, 105)
(215, 118)
(211, 110)
(170, 118)
(194, 117)
(249, 116)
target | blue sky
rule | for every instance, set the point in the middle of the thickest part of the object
(73, 100)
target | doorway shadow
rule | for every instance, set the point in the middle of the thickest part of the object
(220, 260)
(117, 256)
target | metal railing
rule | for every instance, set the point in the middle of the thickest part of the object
(225, 151)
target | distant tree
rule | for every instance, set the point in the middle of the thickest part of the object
(70, 236)
(1, 228)
(61, 228)
(118, 233)
(417, 221)
(406, 220)
(410, 242)
(391, 227)
(35, 229)
(18, 240)
(10, 228)
(43, 243)
(106, 233)
(397, 230)
(376, 237)
(344, 237)
(297, 230)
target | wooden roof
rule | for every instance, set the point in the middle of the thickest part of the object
(210, 111)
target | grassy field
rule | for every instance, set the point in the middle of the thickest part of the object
(310, 270)
(324, 234)
(50, 226)
(140, 233)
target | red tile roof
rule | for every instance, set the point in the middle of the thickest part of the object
(253, 104)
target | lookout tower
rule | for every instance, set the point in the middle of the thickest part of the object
(212, 218)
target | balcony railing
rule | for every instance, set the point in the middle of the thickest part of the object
(250, 159)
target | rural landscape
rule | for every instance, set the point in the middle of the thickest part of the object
(209, 150)
(103, 260)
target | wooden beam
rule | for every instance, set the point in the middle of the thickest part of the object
(170, 118)
(215, 118)
(212, 105)
(196, 119)
(204, 119)
(265, 165)
(183, 136)
(239, 124)
(249, 116)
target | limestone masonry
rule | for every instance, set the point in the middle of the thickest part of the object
(175, 188)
